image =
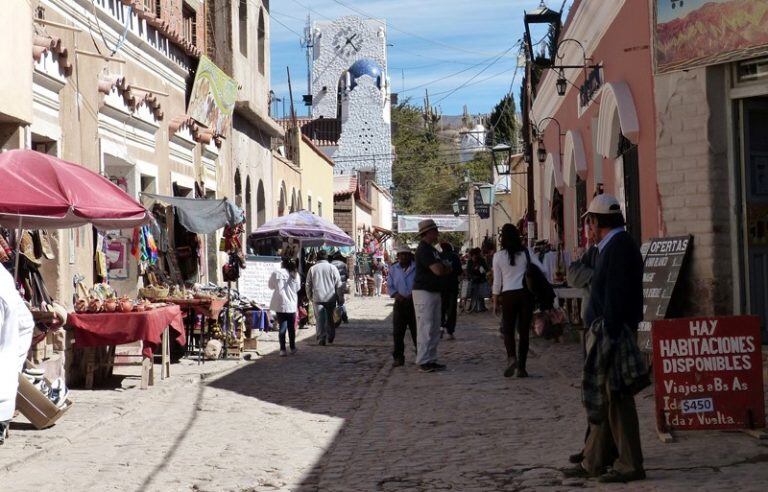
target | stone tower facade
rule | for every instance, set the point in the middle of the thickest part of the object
(350, 83)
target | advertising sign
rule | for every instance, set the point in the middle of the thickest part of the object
(664, 257)
(696, 33)
(446, 223)
(708, 373)
(213, 97)
(254, 280)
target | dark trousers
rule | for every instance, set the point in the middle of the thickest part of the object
(517, 312)
(403, 319)
(616, 441)
(450, 302)
(286, 322)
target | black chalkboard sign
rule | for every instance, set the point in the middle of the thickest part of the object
(664, 258)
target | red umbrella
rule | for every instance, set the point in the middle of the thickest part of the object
(39, 191)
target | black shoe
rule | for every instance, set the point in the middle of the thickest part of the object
(321, 342)
(438, 367)
(577, 471)
(576, 458)
(330, 339)
(399, 361)
(509, 372)
(612, 476)
(426, 368)
(521, 373)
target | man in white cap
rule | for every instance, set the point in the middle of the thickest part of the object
(613, 452)
(427, 298)
(400, 287)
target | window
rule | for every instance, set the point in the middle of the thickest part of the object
(309, 204)
(320, 209)
(242, 14)
(581, 208)
(189, 26)
(262, 44)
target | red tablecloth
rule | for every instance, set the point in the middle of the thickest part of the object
(210, 308)
(101, 329)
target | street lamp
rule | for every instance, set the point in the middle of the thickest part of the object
(562, 82)
(455, 209)
(487, 193)
(463, 204)
(542, 152)
(548, 17)
(501, 153)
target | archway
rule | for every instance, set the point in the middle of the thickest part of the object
(283, 203)
(575, 175)
(294, 203)
(261, 212)
(238, 189)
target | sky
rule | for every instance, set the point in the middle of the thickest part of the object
(463, 52)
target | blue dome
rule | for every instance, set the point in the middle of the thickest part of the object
(365, 67)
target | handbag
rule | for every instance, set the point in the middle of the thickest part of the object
(538, 285)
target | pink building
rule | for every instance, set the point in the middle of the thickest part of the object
(607, 133)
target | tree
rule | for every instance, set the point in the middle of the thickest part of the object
(504, 124)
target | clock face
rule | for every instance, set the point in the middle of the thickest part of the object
(346, 42)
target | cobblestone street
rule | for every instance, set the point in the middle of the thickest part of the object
(342, 418)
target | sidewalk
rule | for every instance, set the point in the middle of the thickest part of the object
(341, 418)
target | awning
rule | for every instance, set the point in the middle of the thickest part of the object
(202, 215)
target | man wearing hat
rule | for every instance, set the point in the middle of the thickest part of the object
(427, 299)
(612, 451)
(400, 286)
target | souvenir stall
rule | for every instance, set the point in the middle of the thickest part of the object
(215, 325)
(299, 233)
(374, 248)
(43, 193)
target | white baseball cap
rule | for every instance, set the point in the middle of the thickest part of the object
(603, 205)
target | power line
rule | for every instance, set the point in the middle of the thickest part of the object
(417, 36)
(473, 77)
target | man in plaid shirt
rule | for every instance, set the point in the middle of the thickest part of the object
(614, 369)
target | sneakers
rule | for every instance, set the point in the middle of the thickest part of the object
(283, 353)
(59, 393)
(612, 476)
(426, 368)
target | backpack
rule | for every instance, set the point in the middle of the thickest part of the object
(538, 285)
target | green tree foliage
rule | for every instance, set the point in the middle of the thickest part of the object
(504, 123)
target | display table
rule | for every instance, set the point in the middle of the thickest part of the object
(567, 296)
(208, 308)
(111, 329)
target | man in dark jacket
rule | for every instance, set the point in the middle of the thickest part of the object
(616, 299)
(450, 293)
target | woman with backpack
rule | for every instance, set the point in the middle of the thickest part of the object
(512, 296)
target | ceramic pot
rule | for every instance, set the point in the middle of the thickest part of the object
(81, 306)
(94, 306)
(110, 305)
(126, 305)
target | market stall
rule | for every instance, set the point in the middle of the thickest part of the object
(41, 192)
(203, 308)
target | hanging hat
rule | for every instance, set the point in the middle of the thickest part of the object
(27, 248)
(426, 225)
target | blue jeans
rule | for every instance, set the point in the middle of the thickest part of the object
(326, 329)
(287, 321)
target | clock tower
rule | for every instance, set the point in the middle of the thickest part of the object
(349, 82)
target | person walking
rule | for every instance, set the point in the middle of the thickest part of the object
(427, 299)
(513, 299)
(450, 292)
(400, 284)
(285, 285)
(323, 282)
(378, 276)
(613, 450)
(477, 269)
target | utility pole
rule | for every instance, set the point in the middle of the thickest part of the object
(528, 149)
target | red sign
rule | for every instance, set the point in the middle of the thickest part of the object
(708, 373)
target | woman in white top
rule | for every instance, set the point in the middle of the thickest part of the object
(511, 295)
(285, 283)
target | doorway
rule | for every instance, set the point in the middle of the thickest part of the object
(628, 186)
(754, 138)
